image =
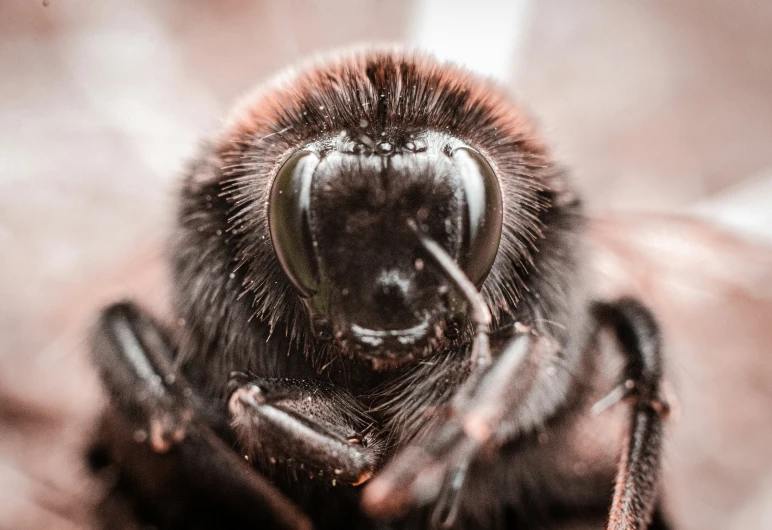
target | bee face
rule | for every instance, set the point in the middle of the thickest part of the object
(308, 197)
(340, 217)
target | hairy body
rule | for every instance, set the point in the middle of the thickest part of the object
(237, 317)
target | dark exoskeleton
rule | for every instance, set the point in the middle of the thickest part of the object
(382, 319)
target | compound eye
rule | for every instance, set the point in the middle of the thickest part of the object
(289, 222)
(482, 196)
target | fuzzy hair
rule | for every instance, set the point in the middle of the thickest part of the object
(239, 310)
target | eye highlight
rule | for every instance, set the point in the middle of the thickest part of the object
(484, 213)
(289, 221)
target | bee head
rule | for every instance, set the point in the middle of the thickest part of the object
(343, 215)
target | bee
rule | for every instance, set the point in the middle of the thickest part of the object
(382, 319)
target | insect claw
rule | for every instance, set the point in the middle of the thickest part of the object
(364, 477)
(661, 407)
(159, 436)
(617, 394)
(381, 499)
(477, 428)
(252, 396)
(446, 510)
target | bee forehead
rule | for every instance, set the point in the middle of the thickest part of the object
(386, 142)
(401, 179)
(395, 160)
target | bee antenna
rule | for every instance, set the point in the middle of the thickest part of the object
(479, 312)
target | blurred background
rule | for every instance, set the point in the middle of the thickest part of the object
(657, 106)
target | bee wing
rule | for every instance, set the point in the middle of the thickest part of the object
(651, 255)
(712, 293)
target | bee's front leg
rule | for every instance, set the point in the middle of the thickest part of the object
(158, 435)
(434, 471)
(306, 425)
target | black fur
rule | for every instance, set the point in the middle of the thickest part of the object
(237, 312)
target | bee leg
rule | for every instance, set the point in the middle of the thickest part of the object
(158, 435)
(134, 359)
(635, 490)
(434, 468)
(307, 424)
